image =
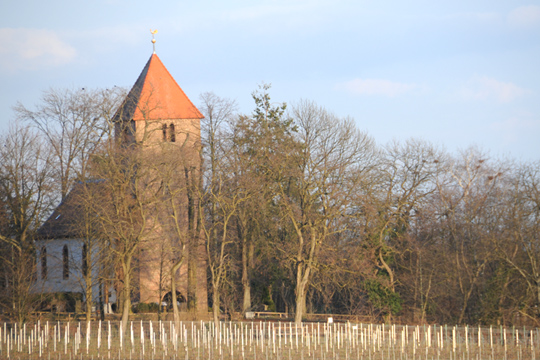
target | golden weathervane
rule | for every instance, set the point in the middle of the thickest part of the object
(153, 32)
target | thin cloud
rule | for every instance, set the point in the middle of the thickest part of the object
(378, 87)
(525, 16)
(486, 88)
(33, 49)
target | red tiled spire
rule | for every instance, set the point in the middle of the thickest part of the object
(156, 96)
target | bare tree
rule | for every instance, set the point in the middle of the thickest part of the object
(403, 180)
(73, 122)
(125, 208)
(519, 242)
(467, 191)
(317, 193)
(223, 198)
(179, 209)
(26, 193)
(94, 266)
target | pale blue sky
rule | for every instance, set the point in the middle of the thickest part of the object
(456, 73)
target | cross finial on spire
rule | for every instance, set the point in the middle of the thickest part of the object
(153, 32)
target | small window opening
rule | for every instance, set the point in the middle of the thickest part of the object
(43, 263)
(84, 260)
(65, 256)
(172, 134)
(164, 130)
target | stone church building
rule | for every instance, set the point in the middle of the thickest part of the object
(155, 115)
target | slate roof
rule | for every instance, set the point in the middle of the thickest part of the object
(156, 96)
(64, 221)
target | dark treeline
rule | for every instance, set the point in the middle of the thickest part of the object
(302, 212)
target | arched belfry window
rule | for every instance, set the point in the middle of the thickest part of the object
(172, 133)
(65, 258)
(84, 260)
(43, 263)
(164, 130)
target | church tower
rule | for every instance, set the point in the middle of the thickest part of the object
(159, 121)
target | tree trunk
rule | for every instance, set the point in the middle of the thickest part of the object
(193, 243)
(101, 301)
(88, 295)
(537, 281)
(127, 295)
(87, 273)
(192, 277)
(300, 304)
(176, 313)
(245, 277)
(215, 305)
(302, 277)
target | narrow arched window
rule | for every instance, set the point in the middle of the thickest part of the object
(43, 263)
(164, 130)
(172, 133)
(65, 257)
(84, 260)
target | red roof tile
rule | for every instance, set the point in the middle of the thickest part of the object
(156, 96)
